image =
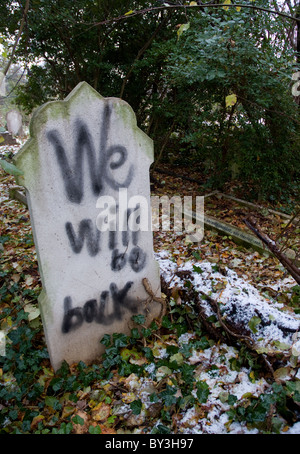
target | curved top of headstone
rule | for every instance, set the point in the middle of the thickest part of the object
(56, 111)
(81, 93)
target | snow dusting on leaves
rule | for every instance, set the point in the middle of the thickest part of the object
(174, 376)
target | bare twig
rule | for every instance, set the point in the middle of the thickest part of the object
(291, 267)
(153, 297)
(17, 37)
(186, 7)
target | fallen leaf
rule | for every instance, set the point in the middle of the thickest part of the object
(107, 430)
(101, 412)
(32, 310)
(36, 420)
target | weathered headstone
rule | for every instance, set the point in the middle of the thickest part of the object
(2, 84)
(14, 121)
(86, 170)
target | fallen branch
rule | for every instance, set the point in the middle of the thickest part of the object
(272, 246)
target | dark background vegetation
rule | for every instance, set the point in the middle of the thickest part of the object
(177, 83)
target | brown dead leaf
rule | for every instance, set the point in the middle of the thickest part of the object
(106, 430)
(101, 412)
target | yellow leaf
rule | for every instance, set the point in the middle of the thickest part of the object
(67, 411)
(238, 8)
(182, 28)
(193, 3)
(128, 397)
(129, 12)
(36, 420)
(101, 412)
(227, 2)
(231, 100)
(1, 139)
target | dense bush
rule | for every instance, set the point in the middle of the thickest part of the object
(176, 67)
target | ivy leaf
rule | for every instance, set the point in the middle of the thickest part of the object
(139, 319)
(197, 269)
(120, 340)
(95, 430)
(168, 395)
(136, 406)
(202, 392)
(78, 420)
(105, 340)
(52, 402)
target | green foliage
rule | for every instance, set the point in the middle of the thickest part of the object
(136, 406)
(295, 298)
(202, 392)
(259, 133)
(177, 69)
(258, 412)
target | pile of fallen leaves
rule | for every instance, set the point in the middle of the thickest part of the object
(174, 376)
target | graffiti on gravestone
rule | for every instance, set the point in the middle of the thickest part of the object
(86, 172)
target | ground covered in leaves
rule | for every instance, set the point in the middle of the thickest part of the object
(188, 373)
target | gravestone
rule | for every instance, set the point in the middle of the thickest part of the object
(14, 122)
(86, 174)
(2, 84)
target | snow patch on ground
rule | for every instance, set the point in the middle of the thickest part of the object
(242, 301)
(239, 299)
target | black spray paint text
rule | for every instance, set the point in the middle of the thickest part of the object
(118, 243)
(101, 161)
(91, 311)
